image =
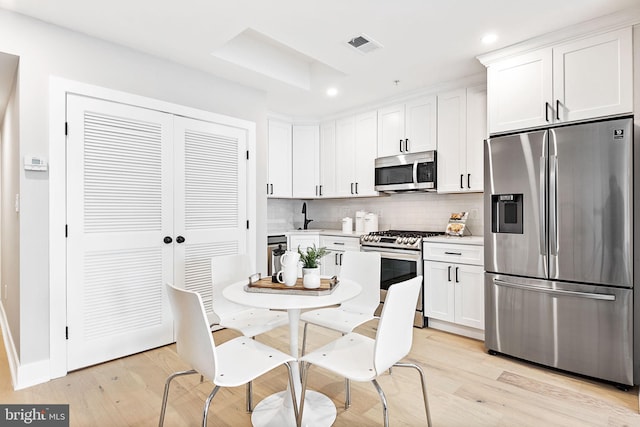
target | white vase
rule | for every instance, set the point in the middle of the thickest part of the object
(311, 278)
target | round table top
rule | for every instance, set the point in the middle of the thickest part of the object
(347, 289)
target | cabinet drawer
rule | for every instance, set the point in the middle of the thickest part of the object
(340, 243)
(460, 254)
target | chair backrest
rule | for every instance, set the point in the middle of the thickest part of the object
(194, 341)
(395, 328)
(226, 270)
(363, 268)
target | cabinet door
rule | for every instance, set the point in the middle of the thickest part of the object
(469, 295)
(476, 134)
(391, 130)
(439, 291)
(345, 156)
(452, 113)
(365, 154)
(306, 161)
(279, 182)
(593, 77)
(520, 92)
(420, 124)
(330, 264)
(327, 160)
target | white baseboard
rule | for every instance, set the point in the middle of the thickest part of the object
(22, 376)
(466, 331)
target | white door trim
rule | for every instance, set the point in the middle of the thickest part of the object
(58, 89)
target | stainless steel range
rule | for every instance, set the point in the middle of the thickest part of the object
(401, 259)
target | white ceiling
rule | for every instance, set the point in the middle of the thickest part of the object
(295, 49)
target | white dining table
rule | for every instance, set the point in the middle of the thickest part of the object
(275, 410)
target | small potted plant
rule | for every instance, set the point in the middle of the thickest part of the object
(310, 260)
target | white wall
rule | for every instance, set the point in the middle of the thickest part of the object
(9, 218)
(46, 50)
(411, 211)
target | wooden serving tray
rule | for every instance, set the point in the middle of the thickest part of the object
(265, 285)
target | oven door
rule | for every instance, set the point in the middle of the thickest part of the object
(398, 265)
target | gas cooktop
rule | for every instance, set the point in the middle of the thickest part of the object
(401, 239)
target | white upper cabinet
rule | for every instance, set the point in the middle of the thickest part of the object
(593, 77)
(582, 79)
(306, 161)
(407, 128)
(355, 155)
(280, 160)
(461, 132)
(327, 187)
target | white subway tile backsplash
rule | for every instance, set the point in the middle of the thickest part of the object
(411, 211)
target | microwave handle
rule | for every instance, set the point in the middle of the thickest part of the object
(415, 172)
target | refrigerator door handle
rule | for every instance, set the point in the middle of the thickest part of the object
(553, 205)
(559, 292)
(543, 207)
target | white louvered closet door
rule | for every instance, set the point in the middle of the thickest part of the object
(119, 209)
(210, 199)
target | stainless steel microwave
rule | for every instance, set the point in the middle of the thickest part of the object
(406, 172)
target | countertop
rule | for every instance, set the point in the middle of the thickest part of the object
(465, 240)
(325, 232)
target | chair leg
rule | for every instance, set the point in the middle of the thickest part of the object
(383, 399)
(347, 393)
(304, 390)
(424, 386)
(165, 396)
(304, 347)
(304, 338)
(207, 403)
(250, 396)
(293, 392)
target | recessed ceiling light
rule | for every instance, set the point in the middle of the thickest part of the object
(332, 91)
(489, 38)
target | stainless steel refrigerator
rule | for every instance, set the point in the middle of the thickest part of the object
(559, 248)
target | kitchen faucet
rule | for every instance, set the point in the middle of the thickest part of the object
(304, 211)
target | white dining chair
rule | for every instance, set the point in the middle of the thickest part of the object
(234, 363)
(363, 268)
(249, 321)
(360, 358)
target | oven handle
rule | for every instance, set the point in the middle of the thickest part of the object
(400, 255)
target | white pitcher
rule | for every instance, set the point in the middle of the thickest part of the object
(289, 273)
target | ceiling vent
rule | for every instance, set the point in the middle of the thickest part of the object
(363, 43)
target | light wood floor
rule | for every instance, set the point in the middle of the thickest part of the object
(467, 387)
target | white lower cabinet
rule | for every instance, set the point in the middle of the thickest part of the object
(337, 246)
(454, 287)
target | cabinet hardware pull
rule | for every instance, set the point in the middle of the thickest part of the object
(271, 189)
(352, 188)
(468, 180)
(461, 178)
(336, 259)
(557, 109)
(180, 239)
(401, 146)
(449, 273)
(457, 281)
(546, 111)
(338, 243)
(356, 188)
(453, 253)
(406, 145)
(167, 239)
(320, 189)
(341, 259)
